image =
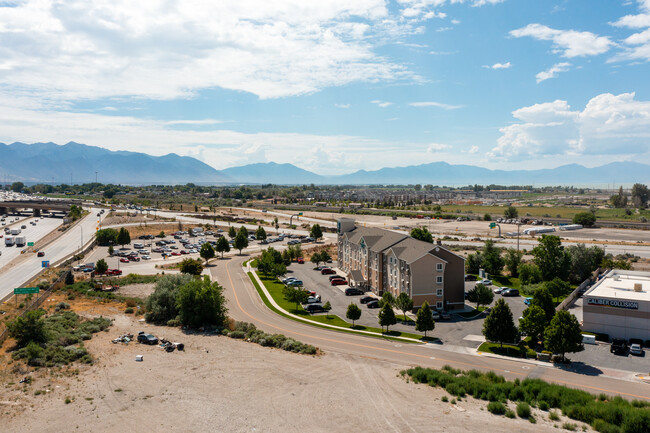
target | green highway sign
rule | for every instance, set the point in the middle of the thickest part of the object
(299, 213)
(493, 225)
(25, 290)
(30, 244)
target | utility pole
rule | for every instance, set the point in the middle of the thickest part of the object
(95, 177)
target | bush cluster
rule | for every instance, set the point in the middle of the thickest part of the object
(248, 331)
(65, 332)
(615, 415)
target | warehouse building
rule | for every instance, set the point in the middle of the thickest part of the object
(381, 260)
(619, 305)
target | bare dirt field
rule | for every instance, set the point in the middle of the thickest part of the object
(219, 384)
(141, 291)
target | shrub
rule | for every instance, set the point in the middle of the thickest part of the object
(62, 306)
(543, 405)
(532, 420)
(553, 416)
(174, 322)
(237, 334)
(569, 426)
(523, 410)
(496, 407)
(444, 398)
(128, 310)
(131, 302)
(510, 413)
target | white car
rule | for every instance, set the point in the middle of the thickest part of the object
(485, 282)
(498, 290)
(636, 349)
(146, 257)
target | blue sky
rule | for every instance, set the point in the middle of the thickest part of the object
(333, 86)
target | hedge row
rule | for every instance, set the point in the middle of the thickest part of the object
(248, 331)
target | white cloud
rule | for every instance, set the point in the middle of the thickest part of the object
(194, 122)
(638, 44)
(552, 71)
(608, 125)
(472, 150)
(444, 29)
(506, 65)
(456, 22)
(435, 104)
(342, 105)
(633, 21)
(381, 104)
(437, 147)
(570, 43)
(171, 49)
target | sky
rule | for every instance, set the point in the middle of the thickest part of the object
(333, 86)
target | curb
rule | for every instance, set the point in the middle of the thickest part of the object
(302, 319)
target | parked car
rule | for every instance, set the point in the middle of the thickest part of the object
(300, 260)
(528, 300)
(313, 300)
(486, 282)
(367, 299)
(619, 346)
(445, 315)
(352, 291)
(497, 290)
(288, 279)
(124, 260)
(41, 254)
(435, 314)
(146, 257)
(327, 271)
(470, 278)
(373, 304)
(175, 253)
(113, 272)
(338, 282)
(314, 308)
(134, 258)
(336, 277)
(147, 339)
(510, 292)
(295, 283)
(636, 349)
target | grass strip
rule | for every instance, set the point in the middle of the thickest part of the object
(508, 350)
(327, 320)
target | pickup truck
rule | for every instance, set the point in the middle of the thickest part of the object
(619, 346)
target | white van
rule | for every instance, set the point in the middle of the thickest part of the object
(138, 246)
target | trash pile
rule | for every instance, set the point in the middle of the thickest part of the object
(124, 338)
(170, 346)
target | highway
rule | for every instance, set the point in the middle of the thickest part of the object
(245, 305)
(29, 265)
(32, 233)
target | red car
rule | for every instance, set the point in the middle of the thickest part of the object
(184, 252)
(327, 271)
(300, 260)
(338, 282)
(336, 277)
(124, 260)
(114, 272)
(176, 253)
(41, 254)
(134, 258)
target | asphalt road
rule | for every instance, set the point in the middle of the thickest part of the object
(245, 305)
(67, 244)
(32, 233)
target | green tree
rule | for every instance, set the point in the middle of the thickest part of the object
(511, 212)
(619, 200)
(422, 234)
(325, 256)
(316, 232)
(241, 241)
(271, 263)
(191, 266)
(584, 261)
(109, 192)
(498, 325)
(101, 266)
(386, 317)
(529, 274)
(260, 233)
(353, 313)
(243, 230)
(492, 260)
(75, 212)
(587, 219)
(297, 295)
(162, 305)
(232, 232)
(543, 299)
(404, 303)
(17, 186)
(473, 263)
(424, 319)
(481, 295)
(327, 307)
(286, 257)
(161, 235)
(111, 250)
(512, 260)
(69, 278)
(387, 298)
(28, 328)
(563, 335)
(222, 245)
(201, 303)
(315, 258)
(558, 287)
(106, 236)
(276, 224)
(551, 258)
(123, 237)
(207, 252)
(533, 322)
(640, 195)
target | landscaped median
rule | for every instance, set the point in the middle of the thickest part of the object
(270, 290)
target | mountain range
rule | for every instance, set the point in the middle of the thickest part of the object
(50, 162)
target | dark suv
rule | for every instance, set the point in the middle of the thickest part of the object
(619, 346)
(352, 291)
(147, 339)
(314, 308)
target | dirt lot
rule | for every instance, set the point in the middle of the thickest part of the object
(220, 384)
(141, 291)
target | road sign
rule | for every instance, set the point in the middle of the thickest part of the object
(299, 213)
(45, 264)
(25, 290)
(30, 244)
(493, 225)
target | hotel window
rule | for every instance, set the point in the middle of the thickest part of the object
(439, 305)
(439, 292)
(439, 267)
(439, 280)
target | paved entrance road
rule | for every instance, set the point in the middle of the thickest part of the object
(245, 304)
